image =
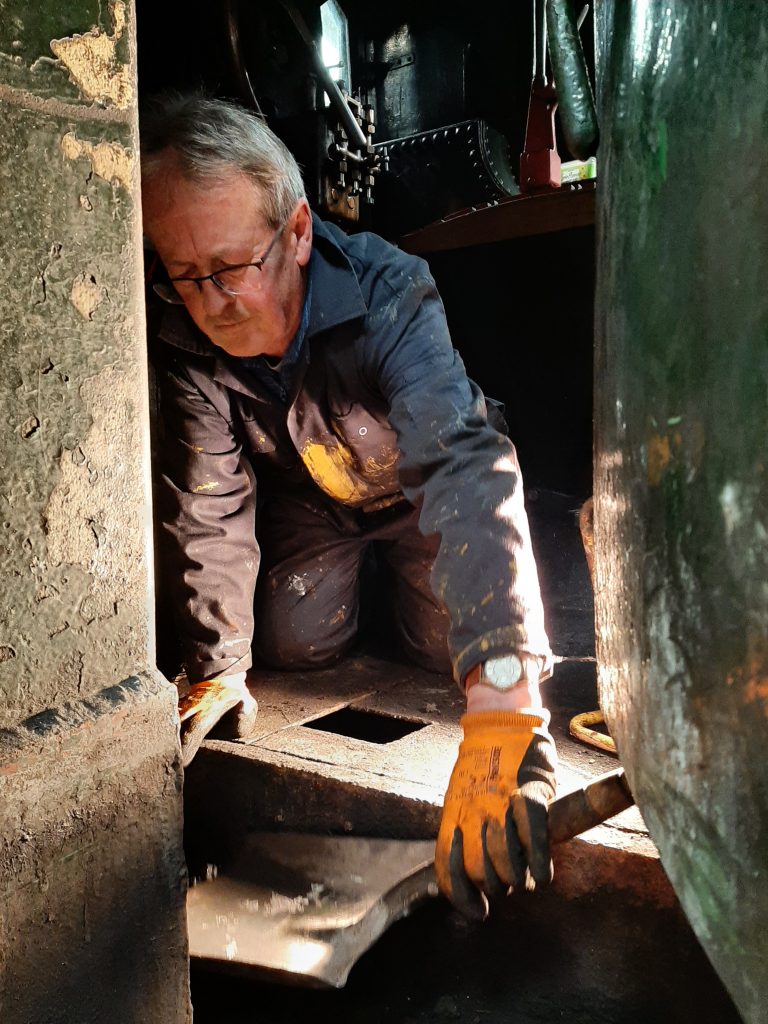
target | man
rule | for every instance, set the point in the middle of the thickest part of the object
(313, 400)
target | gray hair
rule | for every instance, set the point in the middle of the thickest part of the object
(205, 139)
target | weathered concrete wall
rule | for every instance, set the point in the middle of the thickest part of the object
(681, 428)
(91, 911)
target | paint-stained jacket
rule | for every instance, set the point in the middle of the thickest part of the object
(382, 407)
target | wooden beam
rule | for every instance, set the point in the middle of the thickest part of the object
(572, 206)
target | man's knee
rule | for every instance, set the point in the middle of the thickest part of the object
(295, 653)
(298, 635)
(429, 652)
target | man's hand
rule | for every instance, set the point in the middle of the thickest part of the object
(493, 833)
(207, 703)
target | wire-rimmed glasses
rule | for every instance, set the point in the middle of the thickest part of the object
(230, 280)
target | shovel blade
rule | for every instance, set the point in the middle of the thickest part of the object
(302, 909)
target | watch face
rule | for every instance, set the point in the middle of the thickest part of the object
(503, 673)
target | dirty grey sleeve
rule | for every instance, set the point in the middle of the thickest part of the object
(207, 513)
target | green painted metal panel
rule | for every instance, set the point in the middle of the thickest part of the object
(681, 450)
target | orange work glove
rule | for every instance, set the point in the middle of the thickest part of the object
(493, 833)
(207, 703)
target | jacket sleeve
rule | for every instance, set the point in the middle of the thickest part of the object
(207, 513)
(462, 472)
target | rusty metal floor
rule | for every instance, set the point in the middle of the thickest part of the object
(608, 944)
(366, 749)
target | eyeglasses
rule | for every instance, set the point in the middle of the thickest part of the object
(230, 280)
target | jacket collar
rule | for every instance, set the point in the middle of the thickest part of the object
(336, 295)
(336, 299)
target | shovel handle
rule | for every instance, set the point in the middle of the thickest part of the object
(591, 805)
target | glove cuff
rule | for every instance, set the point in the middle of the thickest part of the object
(478, 721)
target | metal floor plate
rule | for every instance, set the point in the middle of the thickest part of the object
(293, 778)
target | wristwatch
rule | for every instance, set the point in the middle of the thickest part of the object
(503, 672)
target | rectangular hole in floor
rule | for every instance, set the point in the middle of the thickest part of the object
(365, 725)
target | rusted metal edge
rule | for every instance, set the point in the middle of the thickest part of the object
(28, 737)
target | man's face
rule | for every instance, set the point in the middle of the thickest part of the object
(200, 229)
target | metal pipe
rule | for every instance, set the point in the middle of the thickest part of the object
(232, 18)
(540, 40)
(574, 90)
(348, 120)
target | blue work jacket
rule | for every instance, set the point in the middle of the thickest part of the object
(381, 409)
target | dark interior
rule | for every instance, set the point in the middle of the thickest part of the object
(519, 307)
(447, 90)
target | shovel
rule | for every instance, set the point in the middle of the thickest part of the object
(302, 909)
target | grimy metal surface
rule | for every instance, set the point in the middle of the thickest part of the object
(681, 482)
(606, 942)
(289, 777)
(91, 860)
(303, 909)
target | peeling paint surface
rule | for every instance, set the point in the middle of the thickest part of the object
(107, 159)
(69, 314)
(81, 522)
(90, 809)
(86, 296)
(92, 63)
